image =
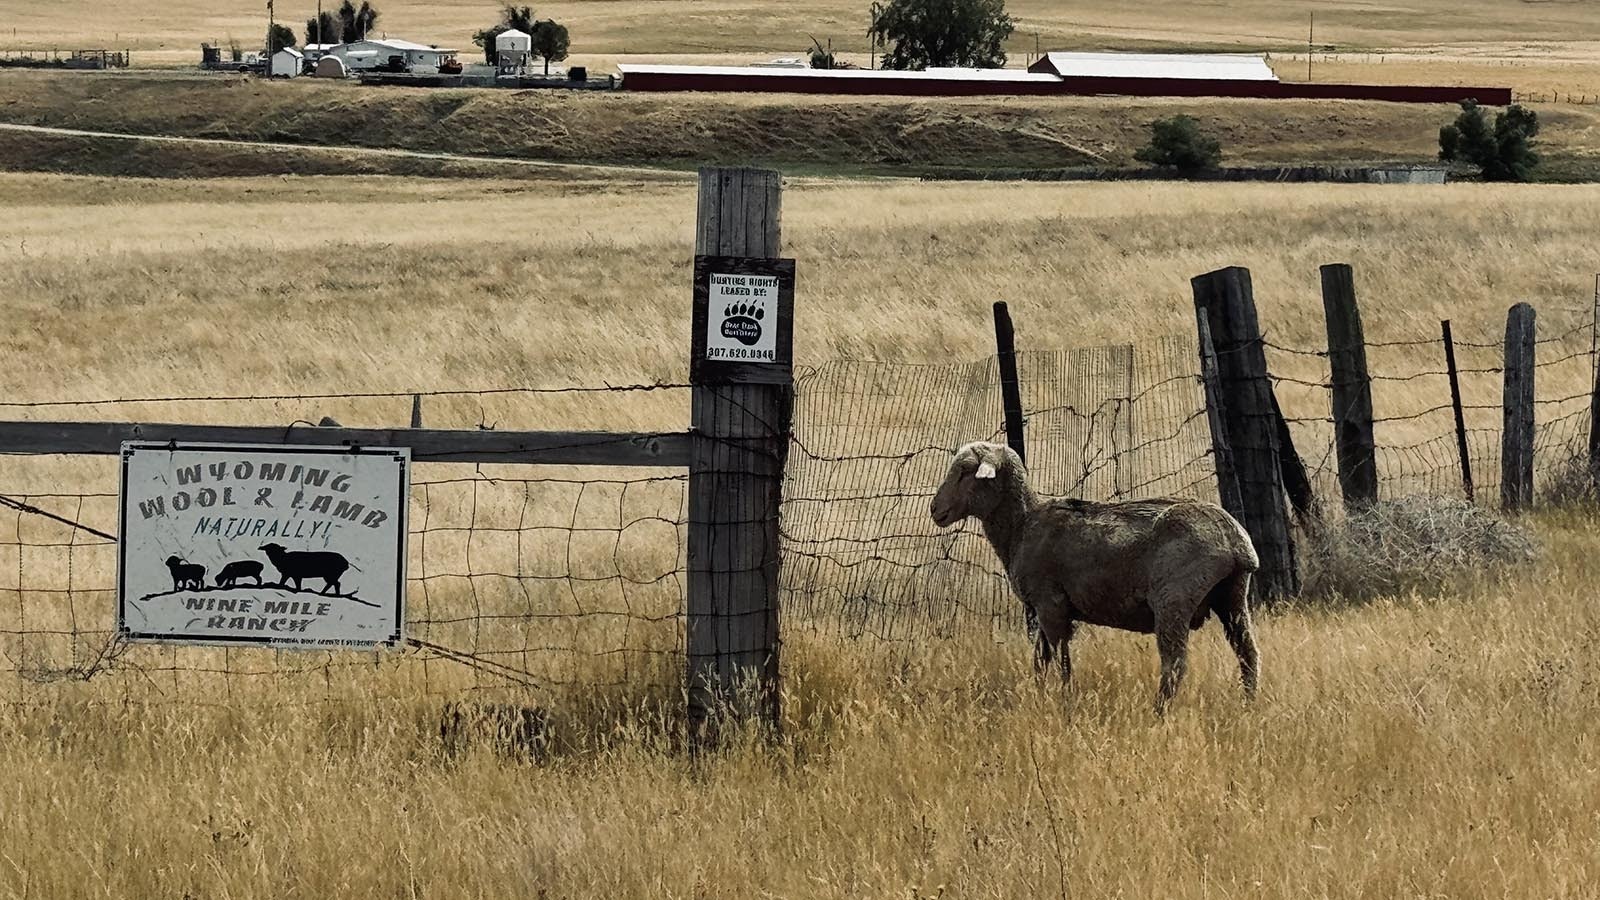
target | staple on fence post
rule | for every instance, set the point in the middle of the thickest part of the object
(1352, 388)
(1516, 448)
(1226, 301)
(1455, 404)
(741, 415)
(1005, 341)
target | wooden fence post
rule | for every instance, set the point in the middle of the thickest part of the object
(1222, 454)
(1594, 396)
(1225, 299)
(741, 414)
(1516, 440)
(416, 410)
(1455, 404)
(1352, 388)
(1005, 342)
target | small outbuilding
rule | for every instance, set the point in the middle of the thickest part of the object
(331, 67)
(287, 63)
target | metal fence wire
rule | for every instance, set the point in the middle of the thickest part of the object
(873, 440)
(534, 577)
(518, 577)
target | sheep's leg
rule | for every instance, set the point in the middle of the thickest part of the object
(1041, 645)
(1066, 652)
(1172, 642)
(1233, 610)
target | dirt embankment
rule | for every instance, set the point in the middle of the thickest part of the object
(798, 133)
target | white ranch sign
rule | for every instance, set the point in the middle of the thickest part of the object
(291, 547)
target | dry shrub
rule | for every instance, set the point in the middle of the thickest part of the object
(1571, 484)
(1411, 544)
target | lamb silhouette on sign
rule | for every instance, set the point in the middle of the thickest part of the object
(234, 571)
(298, 565)
(186, 575)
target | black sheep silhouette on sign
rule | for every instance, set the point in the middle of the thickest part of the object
(298, 565)
(186, 575)
(232, 572)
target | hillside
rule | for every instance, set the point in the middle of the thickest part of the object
(796, 133)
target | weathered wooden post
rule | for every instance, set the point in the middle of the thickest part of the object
(1455, 404)
(1227, 474)
(741, 371)
(1224, 298)
(1516, 439)
(1594, 395)
(1352, 388)
(416, 410)
(1005, 342)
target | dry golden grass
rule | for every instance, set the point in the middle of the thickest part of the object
(762, 26)
(1419, 746)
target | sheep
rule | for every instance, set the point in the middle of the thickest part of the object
(296, 566)
(186, 575)
(232, 572)
(1158, 566)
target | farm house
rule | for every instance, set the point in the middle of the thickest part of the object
(376, 54)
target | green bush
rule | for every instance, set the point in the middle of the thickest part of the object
(1177, 143)
(1503, 153)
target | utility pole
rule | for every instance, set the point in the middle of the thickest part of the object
(1311, 41)
(272, 25)
(320, 41)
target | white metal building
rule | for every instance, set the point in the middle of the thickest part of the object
(1206, 66)
(287, 63)
(372, 54)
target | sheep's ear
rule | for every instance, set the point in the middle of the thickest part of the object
(986, 471)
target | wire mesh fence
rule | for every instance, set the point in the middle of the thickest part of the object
(873, 440)
(539, 577)
(518, 576)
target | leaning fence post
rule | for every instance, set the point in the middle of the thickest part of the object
(1516, 440)
(741, 372)
(1221, 453)
(1224, 298)
(1455, 404)
(1005, 342)
(1352, 388)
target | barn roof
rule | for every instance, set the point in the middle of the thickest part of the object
(1206, 66)
(1007, 75)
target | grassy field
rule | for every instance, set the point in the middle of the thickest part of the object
(762, 26)
(1415, 747)
(1427, 746)
(818, 135)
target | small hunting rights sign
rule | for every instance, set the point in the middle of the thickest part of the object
(284, 546)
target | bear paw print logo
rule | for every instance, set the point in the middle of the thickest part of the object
(742, 322)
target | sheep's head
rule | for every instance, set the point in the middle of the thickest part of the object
(270, 549)
(174, 561)
(976, 483)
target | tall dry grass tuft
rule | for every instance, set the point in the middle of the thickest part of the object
(1411, 544)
